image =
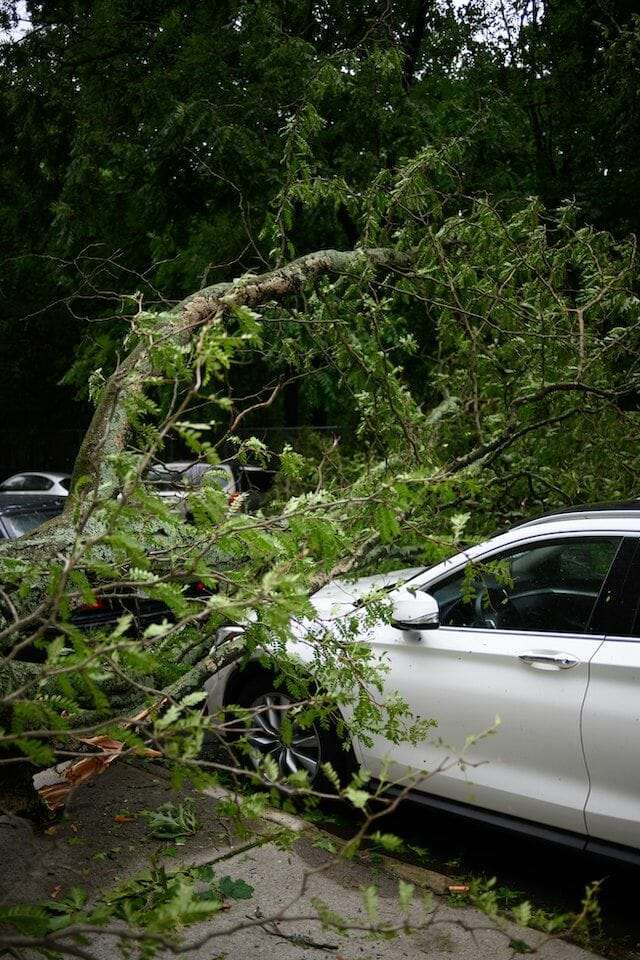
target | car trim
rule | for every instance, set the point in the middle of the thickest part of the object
(426, 578)
(530, 633)
(529, 828)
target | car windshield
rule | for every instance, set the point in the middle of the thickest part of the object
(164, 479)
(25, 521)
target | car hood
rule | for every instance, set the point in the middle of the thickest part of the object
(340, 597)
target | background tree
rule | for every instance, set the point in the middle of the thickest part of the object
(148, 148)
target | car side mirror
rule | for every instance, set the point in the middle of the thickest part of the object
(415, 611)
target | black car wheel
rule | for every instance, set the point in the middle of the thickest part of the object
(307, 749)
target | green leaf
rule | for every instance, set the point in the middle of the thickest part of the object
(370, 900)
(358, 798)
(387, 524)
(325, 843)
(235, 889)
(405, 894)
(522, 913)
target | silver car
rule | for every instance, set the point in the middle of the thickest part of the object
(41, 482)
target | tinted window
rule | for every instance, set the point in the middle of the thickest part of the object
(620, 614)
(550, 587)
(14, 483)
(35, 482)
(65, 483)
(165, 480)
(31, 481)
(24, 522)
(256, 479)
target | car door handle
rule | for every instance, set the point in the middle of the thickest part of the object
(557, 661)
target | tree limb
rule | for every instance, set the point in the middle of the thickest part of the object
(109, 428)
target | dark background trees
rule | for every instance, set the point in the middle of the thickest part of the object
(149, 147)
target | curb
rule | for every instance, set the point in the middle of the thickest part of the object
(421, 877)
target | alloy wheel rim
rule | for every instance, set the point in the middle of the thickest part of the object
(265, 737)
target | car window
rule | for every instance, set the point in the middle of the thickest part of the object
(14, 483)
(550, 587)
(65, 483)
(24, 522)
(219, 475)
(165, 480)
(177, 481)
(254, 478)
(35, 482)
(27, 481)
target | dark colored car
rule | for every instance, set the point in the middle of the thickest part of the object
(19, 514)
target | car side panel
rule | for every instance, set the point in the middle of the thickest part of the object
(611, 736)
(531, 764)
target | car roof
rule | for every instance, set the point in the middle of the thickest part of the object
(51, 474)
(618, 510)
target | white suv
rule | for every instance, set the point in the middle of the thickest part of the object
(539, 627)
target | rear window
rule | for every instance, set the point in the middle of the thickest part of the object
(165, 480)
(256, 479)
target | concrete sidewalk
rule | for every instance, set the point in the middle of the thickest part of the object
(94, 850)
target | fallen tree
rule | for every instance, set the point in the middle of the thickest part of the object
(516, 304)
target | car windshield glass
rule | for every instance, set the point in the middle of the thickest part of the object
(65, 483)
(165, 479)
(176, 480)
(23, 522)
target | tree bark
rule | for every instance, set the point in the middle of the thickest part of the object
(414, 43)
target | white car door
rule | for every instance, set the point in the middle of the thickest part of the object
(611, 718)
(515, 644)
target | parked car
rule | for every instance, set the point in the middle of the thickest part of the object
(50, 484)
(174, 480)
(21, 514)
(539, 626)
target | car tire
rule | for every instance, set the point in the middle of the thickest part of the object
(309, 749)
